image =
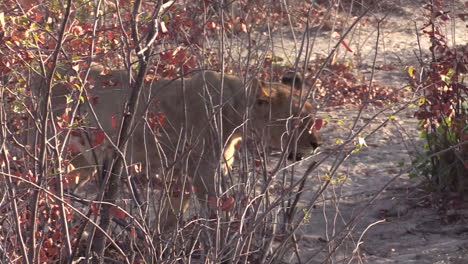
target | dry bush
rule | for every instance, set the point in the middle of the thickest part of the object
(257, 212)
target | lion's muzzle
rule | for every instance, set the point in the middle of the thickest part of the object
(314, 141)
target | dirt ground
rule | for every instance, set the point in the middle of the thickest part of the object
(400, 225)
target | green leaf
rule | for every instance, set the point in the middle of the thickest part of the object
(166, 19)
(306, 218)
(421, 101)
(452, 136)
(441, 129)
(35, 37)
(450, 72)
(464, 105)
(411, 71)
(423, 134)
(356, 150)
(448, 121)
(69, 98)
(445, 78)
(78, 87)
(342, 178)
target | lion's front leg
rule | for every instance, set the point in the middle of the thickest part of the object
(204, 179)
(230, 150)
(173, 207)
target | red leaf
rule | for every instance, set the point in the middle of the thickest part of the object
(165, 55)
(65, 116)
(29, 175)
(211, 25)
(190, 63)
(257, 162)
(133, 232)
(51, 251)
(346, 46)
(94, 209)
(56, 235)
(227, 204)
(98, 138)
(179, 56)
(114, 122)
(156, 120)
(318, 124)
(117, 212)
(73, 177)
(161, 118)
(64, 119)
(38, 17)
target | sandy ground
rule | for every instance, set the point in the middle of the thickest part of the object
(367, 225)
(400, 226)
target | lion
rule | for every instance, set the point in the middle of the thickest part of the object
(189, 126)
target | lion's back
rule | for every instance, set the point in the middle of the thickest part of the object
(194, 101)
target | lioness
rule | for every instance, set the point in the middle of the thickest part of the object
(191, 125)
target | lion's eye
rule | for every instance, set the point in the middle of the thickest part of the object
(261, 102)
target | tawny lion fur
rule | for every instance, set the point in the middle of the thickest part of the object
(188, 126)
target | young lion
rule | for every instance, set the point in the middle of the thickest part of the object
(190, 126)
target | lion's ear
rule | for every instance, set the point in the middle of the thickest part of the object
(292, 78)
(262, 92)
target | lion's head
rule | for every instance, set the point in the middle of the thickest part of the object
(279, 108)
